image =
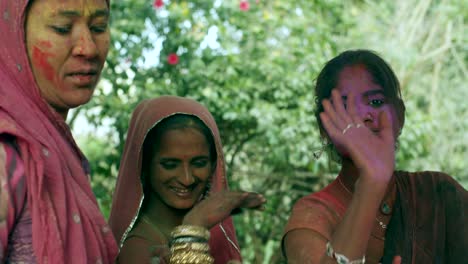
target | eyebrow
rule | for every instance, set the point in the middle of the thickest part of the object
(73, 13)
(366, 93)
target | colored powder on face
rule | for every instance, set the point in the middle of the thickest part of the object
(40, 61)
(45, 44)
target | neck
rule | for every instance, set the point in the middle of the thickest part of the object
(63, 114)
(61, 111)
(350, 173)
(165, 218)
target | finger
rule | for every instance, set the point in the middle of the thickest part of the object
(339, 107)
(330, 127)
(332, 114)
(396, 260)
(254, 200)
(351, 107)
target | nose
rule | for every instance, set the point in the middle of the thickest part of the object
(187, 178)
(85, 45)
(369, 116)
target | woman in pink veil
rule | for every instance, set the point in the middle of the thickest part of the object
(141, 228)
(51, 55)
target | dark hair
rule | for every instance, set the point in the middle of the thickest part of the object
(380, 71)
(177, 121)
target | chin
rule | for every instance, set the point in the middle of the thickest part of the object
(184, 206)
(76, 100)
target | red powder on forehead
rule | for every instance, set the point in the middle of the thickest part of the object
(39, 58)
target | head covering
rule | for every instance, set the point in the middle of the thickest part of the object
(128, 195)
(67, 225)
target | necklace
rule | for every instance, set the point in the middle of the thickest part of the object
(154, 227)
(385, 207)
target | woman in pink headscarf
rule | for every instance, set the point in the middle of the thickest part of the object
(172, 172)
(51, 57)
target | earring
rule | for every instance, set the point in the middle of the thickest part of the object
(316, 153)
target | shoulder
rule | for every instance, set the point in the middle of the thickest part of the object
(11, 164)
(135, 250)
(138, 249)
(319, 212)
(432, 186)
(422, 180)
(142, 245)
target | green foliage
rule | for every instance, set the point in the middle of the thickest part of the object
(254, 70)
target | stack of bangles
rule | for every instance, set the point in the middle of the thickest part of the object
(189, 245)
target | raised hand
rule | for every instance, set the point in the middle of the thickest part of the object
(218, 206)
(371, 150)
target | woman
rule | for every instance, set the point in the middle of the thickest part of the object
(51, 56)
(372, 213)
(172, 159)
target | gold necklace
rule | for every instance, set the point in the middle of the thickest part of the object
(381, 223)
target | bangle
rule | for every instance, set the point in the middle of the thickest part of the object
(201, 247)
(188, 257)
(190, 230)
(187, 239)
(341, 259)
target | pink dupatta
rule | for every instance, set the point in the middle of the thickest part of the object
(67, 225)
(128, 195)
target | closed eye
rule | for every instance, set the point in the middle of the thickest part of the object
(100, 28)
(200, 163)
(169, 164)
(61, 30)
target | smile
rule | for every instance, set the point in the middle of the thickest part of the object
(182, 192)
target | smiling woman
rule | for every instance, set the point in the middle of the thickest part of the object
(51, 56)
(172, 173)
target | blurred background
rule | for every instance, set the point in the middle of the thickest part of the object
(253, 63)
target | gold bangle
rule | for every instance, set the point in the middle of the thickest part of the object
(190, 230)
(201, 247)
(189, 257)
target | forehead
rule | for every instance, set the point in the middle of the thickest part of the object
(58, 7)
(182, 142)
(356, 78)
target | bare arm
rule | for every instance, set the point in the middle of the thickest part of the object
(372, 154)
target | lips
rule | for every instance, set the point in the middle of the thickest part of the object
(182, 191)
(83, 77)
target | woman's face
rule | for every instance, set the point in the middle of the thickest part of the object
(370, 99)
(180, 167)
(67, 43)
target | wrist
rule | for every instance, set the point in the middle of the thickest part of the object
(190, 220)
(369, 191)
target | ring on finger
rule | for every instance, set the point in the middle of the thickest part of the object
(350, 125)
